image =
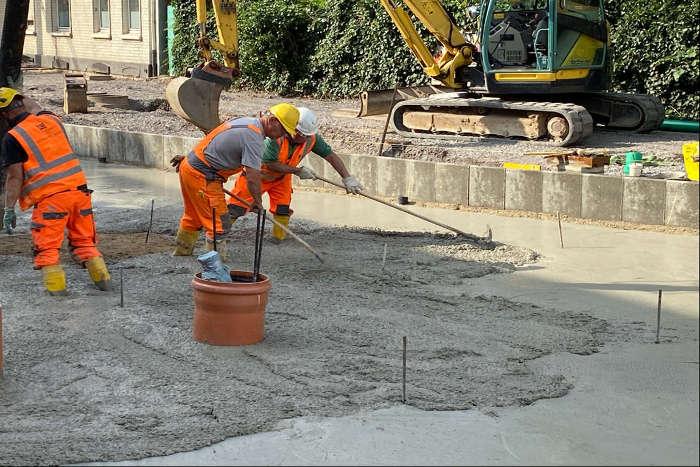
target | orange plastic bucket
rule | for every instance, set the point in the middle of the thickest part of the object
(230, 313)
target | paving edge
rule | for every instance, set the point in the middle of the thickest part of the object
(588, 196)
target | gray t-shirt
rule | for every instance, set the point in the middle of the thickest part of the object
(237, 146)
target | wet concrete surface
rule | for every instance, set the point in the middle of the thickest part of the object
(552, 348)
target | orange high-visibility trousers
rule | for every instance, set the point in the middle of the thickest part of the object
(279, 191)
(199, 196)
(71, 210)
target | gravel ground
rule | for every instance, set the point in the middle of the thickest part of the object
(346, 134)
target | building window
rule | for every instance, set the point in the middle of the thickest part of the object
(62, 15)
(133, 15)
(101, 15)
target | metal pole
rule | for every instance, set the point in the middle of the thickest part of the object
(472, 237)
(121, 287)
(213, 222)
(388, 117)
(404, 371)
(561, 237)
(658, 318)
(150, 222)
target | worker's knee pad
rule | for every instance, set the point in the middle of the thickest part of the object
(283, 210)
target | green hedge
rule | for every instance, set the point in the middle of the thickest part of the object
(338, 48)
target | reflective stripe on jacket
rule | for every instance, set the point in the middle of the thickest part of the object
(198, 152)
(292, 158)
(51, 166)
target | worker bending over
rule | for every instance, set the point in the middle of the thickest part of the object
(280, 160)
(232, 147)
(43, 172)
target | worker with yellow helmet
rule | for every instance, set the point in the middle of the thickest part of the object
(44, 174)
(232, 147)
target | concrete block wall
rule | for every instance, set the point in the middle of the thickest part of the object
(84, 44)
(633, 199)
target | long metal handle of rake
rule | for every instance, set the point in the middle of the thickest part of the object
(445, 226)
(281, 226)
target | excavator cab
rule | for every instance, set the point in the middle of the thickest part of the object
(542, 46)
(195, 97)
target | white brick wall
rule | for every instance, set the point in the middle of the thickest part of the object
(82, 45)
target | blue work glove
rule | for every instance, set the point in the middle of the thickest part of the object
(9, 220)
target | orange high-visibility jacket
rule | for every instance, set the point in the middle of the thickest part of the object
(198, 150)
(293, 158)
(51, 165)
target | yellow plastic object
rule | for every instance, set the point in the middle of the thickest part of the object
(518, 166)
(184, 242)
(288, 115)
(98, 272)
(54, 279)
(6, 96)
(277, 231)
(690, 159)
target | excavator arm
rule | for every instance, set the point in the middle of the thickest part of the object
(195, 97)
(457, 51)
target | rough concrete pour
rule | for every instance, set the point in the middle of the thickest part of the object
(86, 380)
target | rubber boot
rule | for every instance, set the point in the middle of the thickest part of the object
(277, 232)
(54, 279)
(184, 242)
(221, 248)
(98, 273)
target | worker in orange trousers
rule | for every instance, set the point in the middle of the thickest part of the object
(44, 173)
(232, 147)
(280, 160)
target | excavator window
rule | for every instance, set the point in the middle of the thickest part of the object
(518, 34)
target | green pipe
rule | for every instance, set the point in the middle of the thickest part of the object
(689, 126)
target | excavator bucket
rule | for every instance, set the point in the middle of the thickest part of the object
(381, 102)
(195, 100)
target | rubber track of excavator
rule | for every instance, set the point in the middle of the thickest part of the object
(579, 120)
(651, 107)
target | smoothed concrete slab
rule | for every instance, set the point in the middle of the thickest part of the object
(601, 197)
(523, 190)
(561, 192)
(452, 183)
(420, 180)
(644, 200)
(682, 203)
(487, 187)
(391, 177)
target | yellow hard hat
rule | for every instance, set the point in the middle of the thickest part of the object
(7, 95)
(288, 115)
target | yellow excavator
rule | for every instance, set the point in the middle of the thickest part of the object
(534, 69)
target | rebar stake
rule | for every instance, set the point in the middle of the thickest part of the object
(150, 222)
(384, 257)
(213, 223)
(561, 237)
(121, 287)
(658, 318)
(403, 398)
